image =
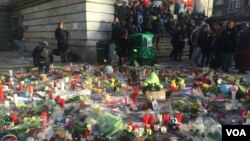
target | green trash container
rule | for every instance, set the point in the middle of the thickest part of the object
(143, 43)
(102, 51)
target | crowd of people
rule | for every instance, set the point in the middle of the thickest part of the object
(215, 44)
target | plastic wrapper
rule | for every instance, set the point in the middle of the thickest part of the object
(109, 124)
(205, 129)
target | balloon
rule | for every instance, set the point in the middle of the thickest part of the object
(224, 89)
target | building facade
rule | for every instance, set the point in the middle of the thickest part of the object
(88, 21)
(238, 10)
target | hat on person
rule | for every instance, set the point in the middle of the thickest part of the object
(44, 43)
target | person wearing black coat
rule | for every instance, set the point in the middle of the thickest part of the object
(230, 40)
(62, 37)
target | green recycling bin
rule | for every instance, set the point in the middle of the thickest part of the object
(141, 47)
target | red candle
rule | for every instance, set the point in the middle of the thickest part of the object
(14, 118)
(73, 84)
(58, 99)
(31, 90)
(145, 119)
(166, 118)
(21, 88)
(242, 112)
(179, 117)
(1, 93)
(62, 103)
(151, 120)
(55, 83)
(44, 116)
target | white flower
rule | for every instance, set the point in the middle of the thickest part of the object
(135, 50)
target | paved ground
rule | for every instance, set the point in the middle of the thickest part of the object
(9, 60)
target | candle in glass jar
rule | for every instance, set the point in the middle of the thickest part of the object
(31, 90)
(163, 129)
(15, 98)
(6, 104)
(21, 88)
(62, 85)
(10, 73)
(156, 127)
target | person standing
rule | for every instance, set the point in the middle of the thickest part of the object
(230, 40)
(243, 49)
(18, 39)
(62, 37)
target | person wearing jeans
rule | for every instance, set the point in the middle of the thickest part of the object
(18, 39)
(20, 46)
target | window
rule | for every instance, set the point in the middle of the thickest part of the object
(238, 5)
(218, 2)
(232, 5)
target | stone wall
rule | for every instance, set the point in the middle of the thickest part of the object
(88, 21)
(5, 29)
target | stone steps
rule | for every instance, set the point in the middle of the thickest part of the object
(165, 48)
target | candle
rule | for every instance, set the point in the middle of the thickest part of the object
(159, 118)
(99, 83)
(145, 119)
(26, 94)
(62, 104)
(31, 90)
(10, 73)
(21, 88)
(44, 116)
(14, 118)
(52, 66)
(163, 130)
(1, 93)
(179, 117)
(62, 85)
(15, 98)
(156, 127)
(6, 104)
(166, 118)
(151, 120)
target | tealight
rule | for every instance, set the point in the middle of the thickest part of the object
(156, 127)
(163, 130)
(6, 104)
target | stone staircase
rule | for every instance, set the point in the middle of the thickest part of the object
(165, 48)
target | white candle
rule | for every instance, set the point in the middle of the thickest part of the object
(62, 85)
(15, 98)
(71, 64)
(163, 129)
(156, 127)
(11, 72)
(6, 104)
(99, 83)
